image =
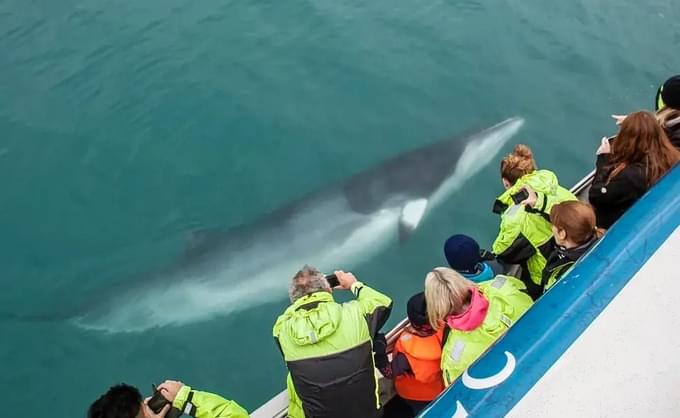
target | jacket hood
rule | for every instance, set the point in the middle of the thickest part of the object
(544, 181)
(310, 319)
(473, 317)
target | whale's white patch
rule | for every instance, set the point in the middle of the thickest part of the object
(477, 154)
(412, 213)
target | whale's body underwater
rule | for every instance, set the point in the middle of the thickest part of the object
(338, 226)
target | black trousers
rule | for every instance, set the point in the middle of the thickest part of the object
(403, 408)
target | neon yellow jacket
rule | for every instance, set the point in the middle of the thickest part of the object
(327, 347)
(525, 233)
(507, 303)
(206, 405)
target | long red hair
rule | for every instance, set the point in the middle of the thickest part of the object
(642, 140)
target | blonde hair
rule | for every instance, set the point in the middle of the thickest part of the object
(446, 293)
(517, 164)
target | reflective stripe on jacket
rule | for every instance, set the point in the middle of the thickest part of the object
(507, 303)
(525, 233)
(327, 348)
(424, 354)
(206, 405)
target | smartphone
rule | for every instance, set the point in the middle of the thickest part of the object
(157, 401)
(520, 196)
(333, 280)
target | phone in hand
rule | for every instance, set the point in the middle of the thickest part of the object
(157, 401)
(333, 280)
(520, 196)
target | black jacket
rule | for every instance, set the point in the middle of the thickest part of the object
(673, 131)
(612, 199)
(561, 259)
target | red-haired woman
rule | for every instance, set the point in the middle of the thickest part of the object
(639, 156)
(574, 231)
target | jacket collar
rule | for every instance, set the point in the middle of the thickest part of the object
(473, 317)
(311, 299)
(563, 255)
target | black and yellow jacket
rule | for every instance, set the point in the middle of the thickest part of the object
(525, 233)
(328, 349)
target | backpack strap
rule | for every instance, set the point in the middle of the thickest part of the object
(447, 331)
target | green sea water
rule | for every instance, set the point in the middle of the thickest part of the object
(127, 125)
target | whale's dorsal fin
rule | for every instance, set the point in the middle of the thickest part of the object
(411, 215)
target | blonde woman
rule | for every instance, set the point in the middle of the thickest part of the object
(473, 315)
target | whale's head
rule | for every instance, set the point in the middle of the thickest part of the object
(420, 179)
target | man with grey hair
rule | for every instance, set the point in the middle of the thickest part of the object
(307, 281)
(327, 346)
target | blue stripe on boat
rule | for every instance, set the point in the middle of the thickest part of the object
(538, 340)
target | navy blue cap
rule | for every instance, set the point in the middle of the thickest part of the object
(462, 253)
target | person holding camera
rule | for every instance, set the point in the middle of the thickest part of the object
(170, 400)
(327, 346)
(525, 236)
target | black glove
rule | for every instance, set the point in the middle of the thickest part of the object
(380, 352)
(486, 255)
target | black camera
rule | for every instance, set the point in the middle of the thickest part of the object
(520, 196)
(158, 402)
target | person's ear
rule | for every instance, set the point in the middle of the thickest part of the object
(561, 234)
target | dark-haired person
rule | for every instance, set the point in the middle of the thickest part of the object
(125, 401)
(667, 107)
(416, 358)
(639, 156)
(525, 237)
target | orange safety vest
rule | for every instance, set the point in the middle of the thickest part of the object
(424, 354)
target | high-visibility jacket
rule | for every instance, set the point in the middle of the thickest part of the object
(525, 233)
(206, 405)
(507, 303)
(424, 354)
(328, 349)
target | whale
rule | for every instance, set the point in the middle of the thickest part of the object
(343, 224)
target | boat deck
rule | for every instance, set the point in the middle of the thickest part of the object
(627, 362)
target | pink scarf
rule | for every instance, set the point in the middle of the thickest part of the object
(473, 317)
